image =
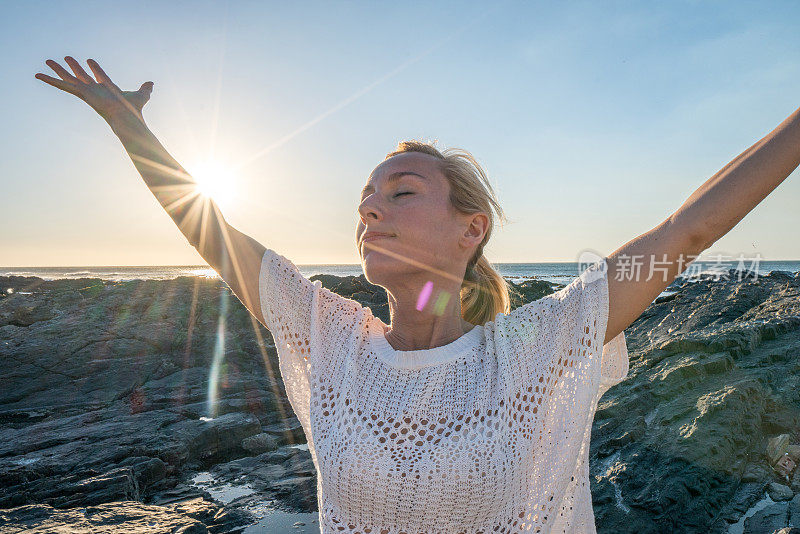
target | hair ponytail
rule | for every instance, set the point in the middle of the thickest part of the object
(484, 292)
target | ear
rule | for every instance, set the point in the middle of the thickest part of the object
(477, 226)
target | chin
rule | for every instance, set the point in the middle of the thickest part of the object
(379, 268)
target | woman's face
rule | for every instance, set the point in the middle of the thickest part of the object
(407, 197)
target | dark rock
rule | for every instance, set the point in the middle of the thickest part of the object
(281, 455)
(746, 495)
(26, 315)
(173, 454)
(781, 276)
(107, 386)
(179, 494)
(259, 443)
(794, 511)
(773, 517)
(230, 520)
(665, 298)
(253, 470)
(219, 436)
(194, 516)
(300, 464)
(299, 493)
(287, 432)
(147, 471)
(779, 492)
(755, 473)
(116, 485)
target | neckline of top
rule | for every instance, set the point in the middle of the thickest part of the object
(417, 359)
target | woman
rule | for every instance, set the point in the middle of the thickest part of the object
(460, 415)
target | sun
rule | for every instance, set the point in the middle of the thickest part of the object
(214, 180)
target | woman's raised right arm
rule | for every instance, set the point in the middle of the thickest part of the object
(232, 254)
(235, 256)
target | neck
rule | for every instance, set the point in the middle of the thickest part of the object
(438, 323)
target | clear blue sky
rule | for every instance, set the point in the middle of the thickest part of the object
(595, 120)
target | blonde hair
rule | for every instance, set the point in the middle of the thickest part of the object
(484, 292)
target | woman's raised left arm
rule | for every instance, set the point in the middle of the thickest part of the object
(725, 198)
(707, 215)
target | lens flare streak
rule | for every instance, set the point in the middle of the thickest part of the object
(424, 295)
(216, 363)
(441, 302)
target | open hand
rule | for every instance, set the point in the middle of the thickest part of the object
(99, 92)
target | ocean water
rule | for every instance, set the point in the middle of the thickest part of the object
(561, 273)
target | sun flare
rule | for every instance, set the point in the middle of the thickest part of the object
(215, 180)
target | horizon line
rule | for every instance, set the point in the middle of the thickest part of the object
(202, 266)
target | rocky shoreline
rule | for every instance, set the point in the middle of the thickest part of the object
(105, 416)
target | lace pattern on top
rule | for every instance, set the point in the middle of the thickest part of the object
(557, 340)
(490, 434)
(546, 328)
(301, 316)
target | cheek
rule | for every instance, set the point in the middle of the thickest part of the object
(429, 214)
(432, 226)
(420, 221)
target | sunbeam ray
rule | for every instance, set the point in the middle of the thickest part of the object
(181, 201)
(117, 321)
(179, 400)
(163, 168)
(271, 372)
(361, 92)
(167, 72)
(412, 261)
(218, 95)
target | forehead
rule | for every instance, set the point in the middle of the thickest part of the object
(408, 162)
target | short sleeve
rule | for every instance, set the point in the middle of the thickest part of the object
(309, 323)
(565, 330)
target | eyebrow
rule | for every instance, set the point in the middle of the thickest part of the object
(391, 179)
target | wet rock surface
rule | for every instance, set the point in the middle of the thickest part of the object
(106, 418)
(194, 516)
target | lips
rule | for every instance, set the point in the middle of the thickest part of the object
(372, 236)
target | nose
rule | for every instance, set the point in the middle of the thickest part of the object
(367, 211)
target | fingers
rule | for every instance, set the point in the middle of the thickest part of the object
(146, 88)
(61, 84)
(100, 74)
(61, 71)
(78, 70)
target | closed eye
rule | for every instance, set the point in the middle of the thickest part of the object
(404, 193)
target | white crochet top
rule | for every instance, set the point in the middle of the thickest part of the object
(489, 433)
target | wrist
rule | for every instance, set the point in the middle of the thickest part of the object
(125, 121)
